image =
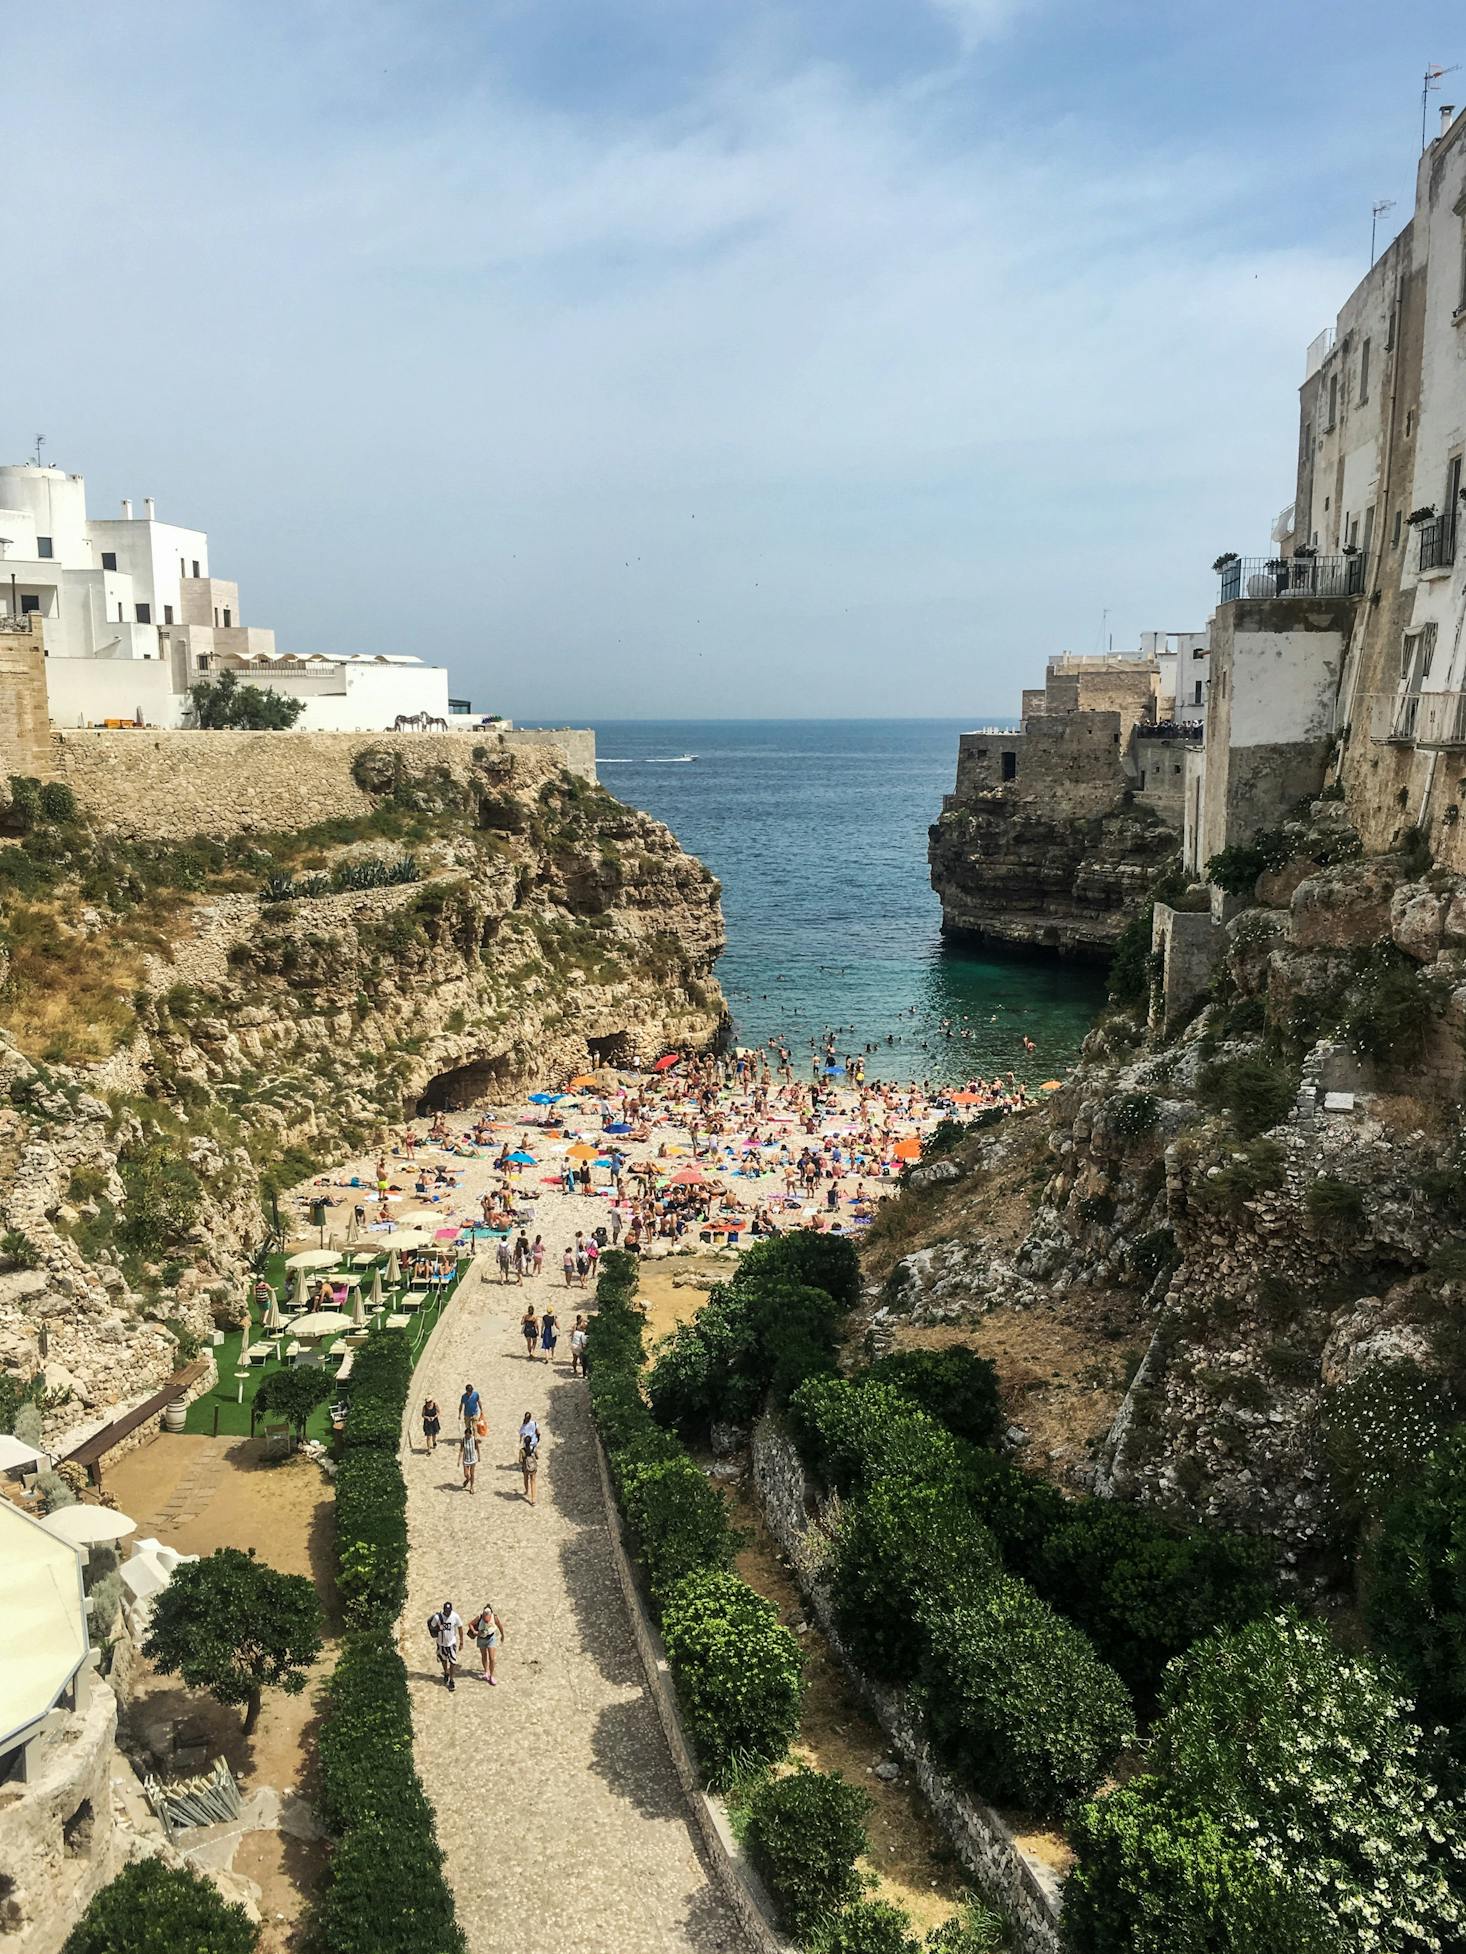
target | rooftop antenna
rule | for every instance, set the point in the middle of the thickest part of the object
(1377, 210)
(1432, 80)
(40, 443)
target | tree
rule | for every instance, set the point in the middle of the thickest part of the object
(295, 1394)
(156, 1909)
(1415, 1586)
(223, 704)
(233, 1626)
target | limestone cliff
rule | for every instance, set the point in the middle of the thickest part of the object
(1224, 1270)
(182, 1021)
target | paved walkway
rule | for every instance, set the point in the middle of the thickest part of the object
(558, 1809)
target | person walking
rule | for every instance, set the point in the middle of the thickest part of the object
(446, 1629)
(529, 1454)
(470, 1456)
(505, 1257)
(469, 1405)
(577, 1346)
(537, 1255)
(487, 1631)
(431, 1423)
(616, 1226)
(549, 1334)
(529, 1329)
(567, 1263)
(521, 1257)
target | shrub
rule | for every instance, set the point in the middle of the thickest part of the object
(1376, 1430)
(903, 1550)
(371, 1537)
(1135, 1115)
(1020, 1510)
(369, 1422)
(164, 1197)
(1256, 1169)
(956, 1386)
(1334, 1204)
(805, 1832)
(1130, 964)
(295, 1394)
(1305, 1755)
(54, 1491)
(828, 1262)
(1415, 1587)
(837, 1423)
(1255, 1092)
(1020, 1701)
(17, 1250)
(738, 1671)
(17, 1391)
(385, 1892)
(151, 1908)
(702, 1371)
(867, 1927)
(975, 1930)
(57, 801)
(1154, 1876)
(678, 1523)
(223, 703)
(1153, 1254)
(1391, 1009)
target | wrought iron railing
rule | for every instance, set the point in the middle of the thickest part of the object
(1292, 576)
(1429, 719)
(1438, 542)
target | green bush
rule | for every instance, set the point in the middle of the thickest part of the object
(1255, 1092)
(1019, 1701)
(382, 1369)
(385, 1892)
(867, 1927)
(57, 801)
(1334, 1204)
(1391, 1008)
(828, 1262)
(956, 1386)
(1375, 1432)
(17, 1250)
(1019, 1509)
(738, 1671)
(1415, 1588)
(1254, 1170)
(370, 1422)
(837, 1423)
(151, 1908)
(1135, 1114)
(703, 1371)
(678, 1523)
(222, 703)
(1130, 964)
(977, 1929)
(805, 1832)
(1153, 1254)
(295, 1394)
(164, 1197)
(903, 1550)
(1154, 1876)
(371, 1537)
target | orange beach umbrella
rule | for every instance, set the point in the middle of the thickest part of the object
(581, 1151)
(907, 1149)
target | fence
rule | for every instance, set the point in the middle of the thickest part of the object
(1292, 576)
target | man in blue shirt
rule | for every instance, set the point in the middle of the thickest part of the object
(468, 1405)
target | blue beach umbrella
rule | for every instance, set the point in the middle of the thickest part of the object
(545, 1098)
(621, 1126)
(604, 1161)
(830, 1070)
(522, 1159)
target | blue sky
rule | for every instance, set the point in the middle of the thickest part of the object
(682, 357)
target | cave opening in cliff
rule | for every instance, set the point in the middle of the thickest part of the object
(613, 1048)
(462, 1086)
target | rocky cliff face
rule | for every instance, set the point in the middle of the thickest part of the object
(1012, 869)
(1226, 1272)
(180, 1023)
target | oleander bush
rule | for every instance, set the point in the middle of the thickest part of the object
(977, 1929)
(677, 1521)
(1415, 1588)
(383, 1370)
(738, 1672)
(901, 1551)
(151, 1908)
(1256, 1092)
(838, 1423)
(371, 1536)
(956, 1386)
(1019, 1701)
(1375, 1432)
(805, 1832)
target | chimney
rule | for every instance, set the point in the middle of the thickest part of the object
(1448, 110)
(127, 508)
(148, 505)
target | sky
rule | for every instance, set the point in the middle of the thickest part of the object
(680, 358)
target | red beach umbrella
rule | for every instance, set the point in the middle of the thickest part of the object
(667, 1061)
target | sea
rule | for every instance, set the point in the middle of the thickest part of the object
(817, 830)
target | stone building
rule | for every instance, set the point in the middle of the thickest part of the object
(133, 616)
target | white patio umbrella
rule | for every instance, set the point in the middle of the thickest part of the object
(88, 1526)
(297, 1288)
(312, 1258)
(394, 1268)
(14, 1453)
(358, 1310)
(321, 1323)
(420, 1218)
(272, 1319)
(377, 1296)
(407, 1238)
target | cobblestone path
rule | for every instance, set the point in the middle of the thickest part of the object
(558, 1809)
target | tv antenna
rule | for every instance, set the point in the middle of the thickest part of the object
(40, 443)
(1432, 80)
(1377, 210)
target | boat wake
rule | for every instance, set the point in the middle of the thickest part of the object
(663, 760)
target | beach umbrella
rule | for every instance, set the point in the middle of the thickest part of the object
(272, 1319)
(522, 1159)
(908, 1149)
(586, 1081)
(620, 1126)
(966, 1098)
(377, 1297)
(321, 1323)
(312, 1258)
(544, 1098)
(603, 1160)
(407, 1238)
(15, 1453)
(394, 1268)
(358, 1310)
(688, 1177)
(667, 1061)
(581, 1151)
(832, 1070)
(1051, 1085)
(297, 1288)
(88, 1526)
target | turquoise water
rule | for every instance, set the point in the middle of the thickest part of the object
(817, 830)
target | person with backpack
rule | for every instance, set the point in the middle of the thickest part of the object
(577, 1345)
(529, 1454)
(487, 1631)
(505, 1258)
(446, 1629)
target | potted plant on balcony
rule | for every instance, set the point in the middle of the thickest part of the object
(1305, 553)
(1225, 561)
(1349, 549)
(1418, 516)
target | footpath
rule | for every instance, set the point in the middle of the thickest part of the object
(558, 1810)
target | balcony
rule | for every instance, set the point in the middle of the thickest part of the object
(1424, 719)
(1438, 542)
(1292, 576)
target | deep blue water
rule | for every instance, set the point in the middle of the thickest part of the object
(817, 830)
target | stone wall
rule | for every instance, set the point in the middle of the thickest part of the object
(163, 785)
(1074, 756)
(1007, 1876)
(1190, 945)
(24, 714)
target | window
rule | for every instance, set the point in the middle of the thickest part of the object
(195, 566)
(1395, 530)
(29, 606)
(144, 613)
(43, 546)
(167, 613)
(1461, 296)
(1196, 696)
(216, 617)
(1417, 652)
(120, 618)
(1010, 766)
(1307, 436)
(1409, 422)
(1333, 401)
(109, 559)
(1453, 488)
(1364, 372)
(228, 617)
(1368, 543)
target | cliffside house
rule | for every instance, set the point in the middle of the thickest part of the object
(131, 616)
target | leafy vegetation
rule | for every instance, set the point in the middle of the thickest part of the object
(1391, 1008)
(738, 1671)
(1255, 1092)
(153, 1908)
(223, 704)
(1415, 1588)
(235, 1627)
(805, 1832)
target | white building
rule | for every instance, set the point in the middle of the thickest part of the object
(1180, 658)
(133, 617)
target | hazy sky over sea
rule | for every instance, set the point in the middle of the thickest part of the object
(698, 356)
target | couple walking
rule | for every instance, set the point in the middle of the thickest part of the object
(485, 1631)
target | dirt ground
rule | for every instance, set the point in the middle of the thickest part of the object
(668, 1295)
(195, 1494)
